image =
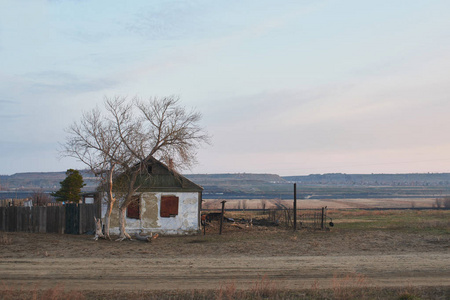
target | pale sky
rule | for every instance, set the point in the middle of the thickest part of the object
(285, 87)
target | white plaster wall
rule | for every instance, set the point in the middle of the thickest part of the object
(186, 222)
(187, 219)
(104, 205)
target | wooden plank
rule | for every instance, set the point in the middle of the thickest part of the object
(34, 223)
(56, 219)
(35, 219)
(48, 220)
(42, 219)
(81, 214)
(12, 218)
(27, 219)
(84, 218)
(24, 215)
(3, 218)
(69, 219)
(18, 218)
(62, 219)
(89, 218)
(72, 219)
(51, 226)
(9, 212)
(76, 219)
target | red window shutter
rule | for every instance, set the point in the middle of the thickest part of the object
(133, 209)
(169, 206)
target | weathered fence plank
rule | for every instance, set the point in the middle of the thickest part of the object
(62, 219)
(25, 216)
(86, 215)
(42, 219)
(12, 218)
(72, 219)
(3, 218)
(50, 221)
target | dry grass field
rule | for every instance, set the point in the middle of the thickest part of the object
(394, 203)
(366, 255)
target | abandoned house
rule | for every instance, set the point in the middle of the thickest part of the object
(166, 203)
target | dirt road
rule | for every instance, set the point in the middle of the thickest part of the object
(293, 272)
(288, 260)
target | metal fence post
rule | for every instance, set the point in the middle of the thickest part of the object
(295, 206)
(221, 216)
(323, 213)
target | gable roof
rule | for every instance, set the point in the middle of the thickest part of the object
(159, 178)
(162, 178)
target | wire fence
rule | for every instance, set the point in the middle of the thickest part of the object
(314, 218)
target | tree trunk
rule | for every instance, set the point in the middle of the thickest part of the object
(111, 201)
(108, 218)
(123, 206)
(98, 229)
(122, 223)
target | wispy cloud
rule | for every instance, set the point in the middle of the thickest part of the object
(11, 116)
(55, 81)
(2, 101)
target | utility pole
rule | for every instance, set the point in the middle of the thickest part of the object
(221, 216)
(295, 206)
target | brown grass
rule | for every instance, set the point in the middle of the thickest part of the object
(348, 286)
(55, 293)
(264, 288)
(5, 240)
(261, 289)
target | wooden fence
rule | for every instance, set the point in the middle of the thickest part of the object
(69, 218)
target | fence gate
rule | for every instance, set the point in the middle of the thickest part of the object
(72, 219)
(313, 218)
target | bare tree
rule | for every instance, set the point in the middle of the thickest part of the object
(447, 202)
(95, 142)
(244, 204)
(119, 144)
(40, 198)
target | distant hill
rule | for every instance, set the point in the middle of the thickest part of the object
(250, 186)
(417, 179)
(48, 181)
(323, 186)
(232, 178)
(239, 185)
